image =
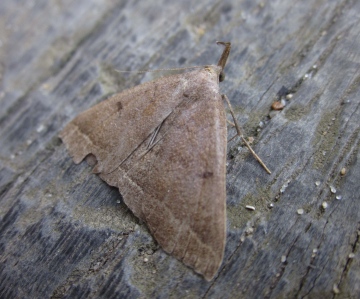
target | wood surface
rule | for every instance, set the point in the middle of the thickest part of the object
(64, 233)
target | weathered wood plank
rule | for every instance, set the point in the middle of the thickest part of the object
(65, 234)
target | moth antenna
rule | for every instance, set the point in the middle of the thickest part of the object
(163, 70)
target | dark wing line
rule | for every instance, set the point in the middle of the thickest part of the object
(175, 110)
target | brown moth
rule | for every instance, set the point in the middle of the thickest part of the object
(163, 144)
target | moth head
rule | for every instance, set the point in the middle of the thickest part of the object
(223, 59)
(221, 76)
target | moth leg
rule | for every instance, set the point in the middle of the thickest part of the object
(232, 138)
(151, 142)
(230, 123)
(148, 148)
(240, 134)
(233, 125)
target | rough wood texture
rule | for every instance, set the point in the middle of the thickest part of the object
(64, 233)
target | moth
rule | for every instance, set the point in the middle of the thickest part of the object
(163, 145)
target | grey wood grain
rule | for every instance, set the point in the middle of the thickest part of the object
(65, 234)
